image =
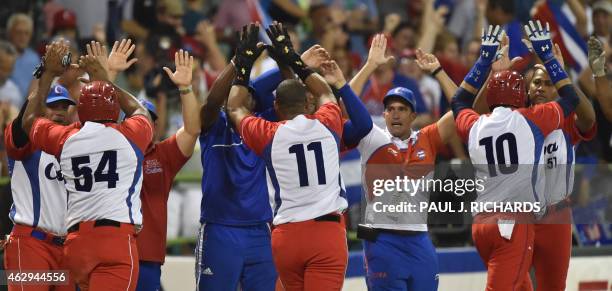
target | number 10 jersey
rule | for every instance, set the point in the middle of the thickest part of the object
(506, 149)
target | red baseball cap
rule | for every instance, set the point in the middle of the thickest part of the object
(64, 19)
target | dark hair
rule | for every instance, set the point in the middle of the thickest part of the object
(291, 97)
(403, 25)
(505, 5)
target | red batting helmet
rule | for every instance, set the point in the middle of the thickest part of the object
(98, 102)
(506, 88)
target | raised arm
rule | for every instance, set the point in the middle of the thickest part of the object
(128, 103)
(187, 135)
(247, 52)
(597, 62)
(52, 67)
(360, 123)
(430, 64)
(541, 41)
(283, 48)
(475, 79)
(376, 58)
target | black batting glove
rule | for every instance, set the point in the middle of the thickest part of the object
(247, 53)
(283, 50)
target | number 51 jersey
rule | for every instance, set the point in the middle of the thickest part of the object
(101, 165)
(506, 149)
(303, 163)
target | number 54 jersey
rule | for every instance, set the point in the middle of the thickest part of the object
(506, 149)
(101, 165)
(303, 163)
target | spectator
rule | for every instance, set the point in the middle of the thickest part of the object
(9, 92)
(321, 19)
(139, 17)
(447, 51)
(19, 28)
(499, 12)
(429, 87)
(193, 15)
(602, 20)
(92, 13)
(404, 37)
(65, 25)
(231, 16)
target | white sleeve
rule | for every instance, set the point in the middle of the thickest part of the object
(374, 140)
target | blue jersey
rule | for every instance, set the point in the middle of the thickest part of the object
(234, 188)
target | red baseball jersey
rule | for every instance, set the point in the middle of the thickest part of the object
(161, 164)
(303, 163)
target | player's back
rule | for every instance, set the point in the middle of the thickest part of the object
(506, 150)
(304, 170)
(103, 173)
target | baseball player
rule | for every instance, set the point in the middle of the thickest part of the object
(101, 162)
(162, 161)
(39, 197)
(553, 233)
(234, 241)
(399, 254)
(302, 159)
(505, 240)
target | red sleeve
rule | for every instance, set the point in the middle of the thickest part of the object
(547, 117)
(433, 137)
(257, 133)
(569, 126)
(137, 129)
(464, 122)
(12, 151)
(331, 116)
(50, 136)
(172, 157)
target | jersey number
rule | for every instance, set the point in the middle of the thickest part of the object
(500, 142)
(298, 150)
(84, 184)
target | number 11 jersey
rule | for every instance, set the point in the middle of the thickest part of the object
(101, 165)
(303, 163)
(506, 149)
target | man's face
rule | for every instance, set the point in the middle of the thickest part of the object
(398, 117)
(321, 19)
(601, 22)
(541, 88)
(403, 39)
(473, 52)
(58, 112)
(6, 66)
(20, 35)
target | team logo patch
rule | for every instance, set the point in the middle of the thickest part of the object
(392, 151)
(421, 154)
(152, 167)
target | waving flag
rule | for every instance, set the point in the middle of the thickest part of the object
(260, 15)
(564, 33)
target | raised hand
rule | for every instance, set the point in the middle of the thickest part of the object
(121, 51)
(332, 74)
(281, 43)
(93, 67)
(426, 61)
(247, 52)
(99, 51)
(597, 57)
(540, 40)
(315, 56)
(378, 48)
(503, 61)
(184, 69)
(54, 57)
(205, 33)
(490, 43)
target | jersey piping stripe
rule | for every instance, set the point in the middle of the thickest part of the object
(11, 166)
(539, 146)
(268, 159)
(31, 167)
(137, 174)
(570, 162)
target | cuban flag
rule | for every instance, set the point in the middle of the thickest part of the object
(258, 14)
(563, 30)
